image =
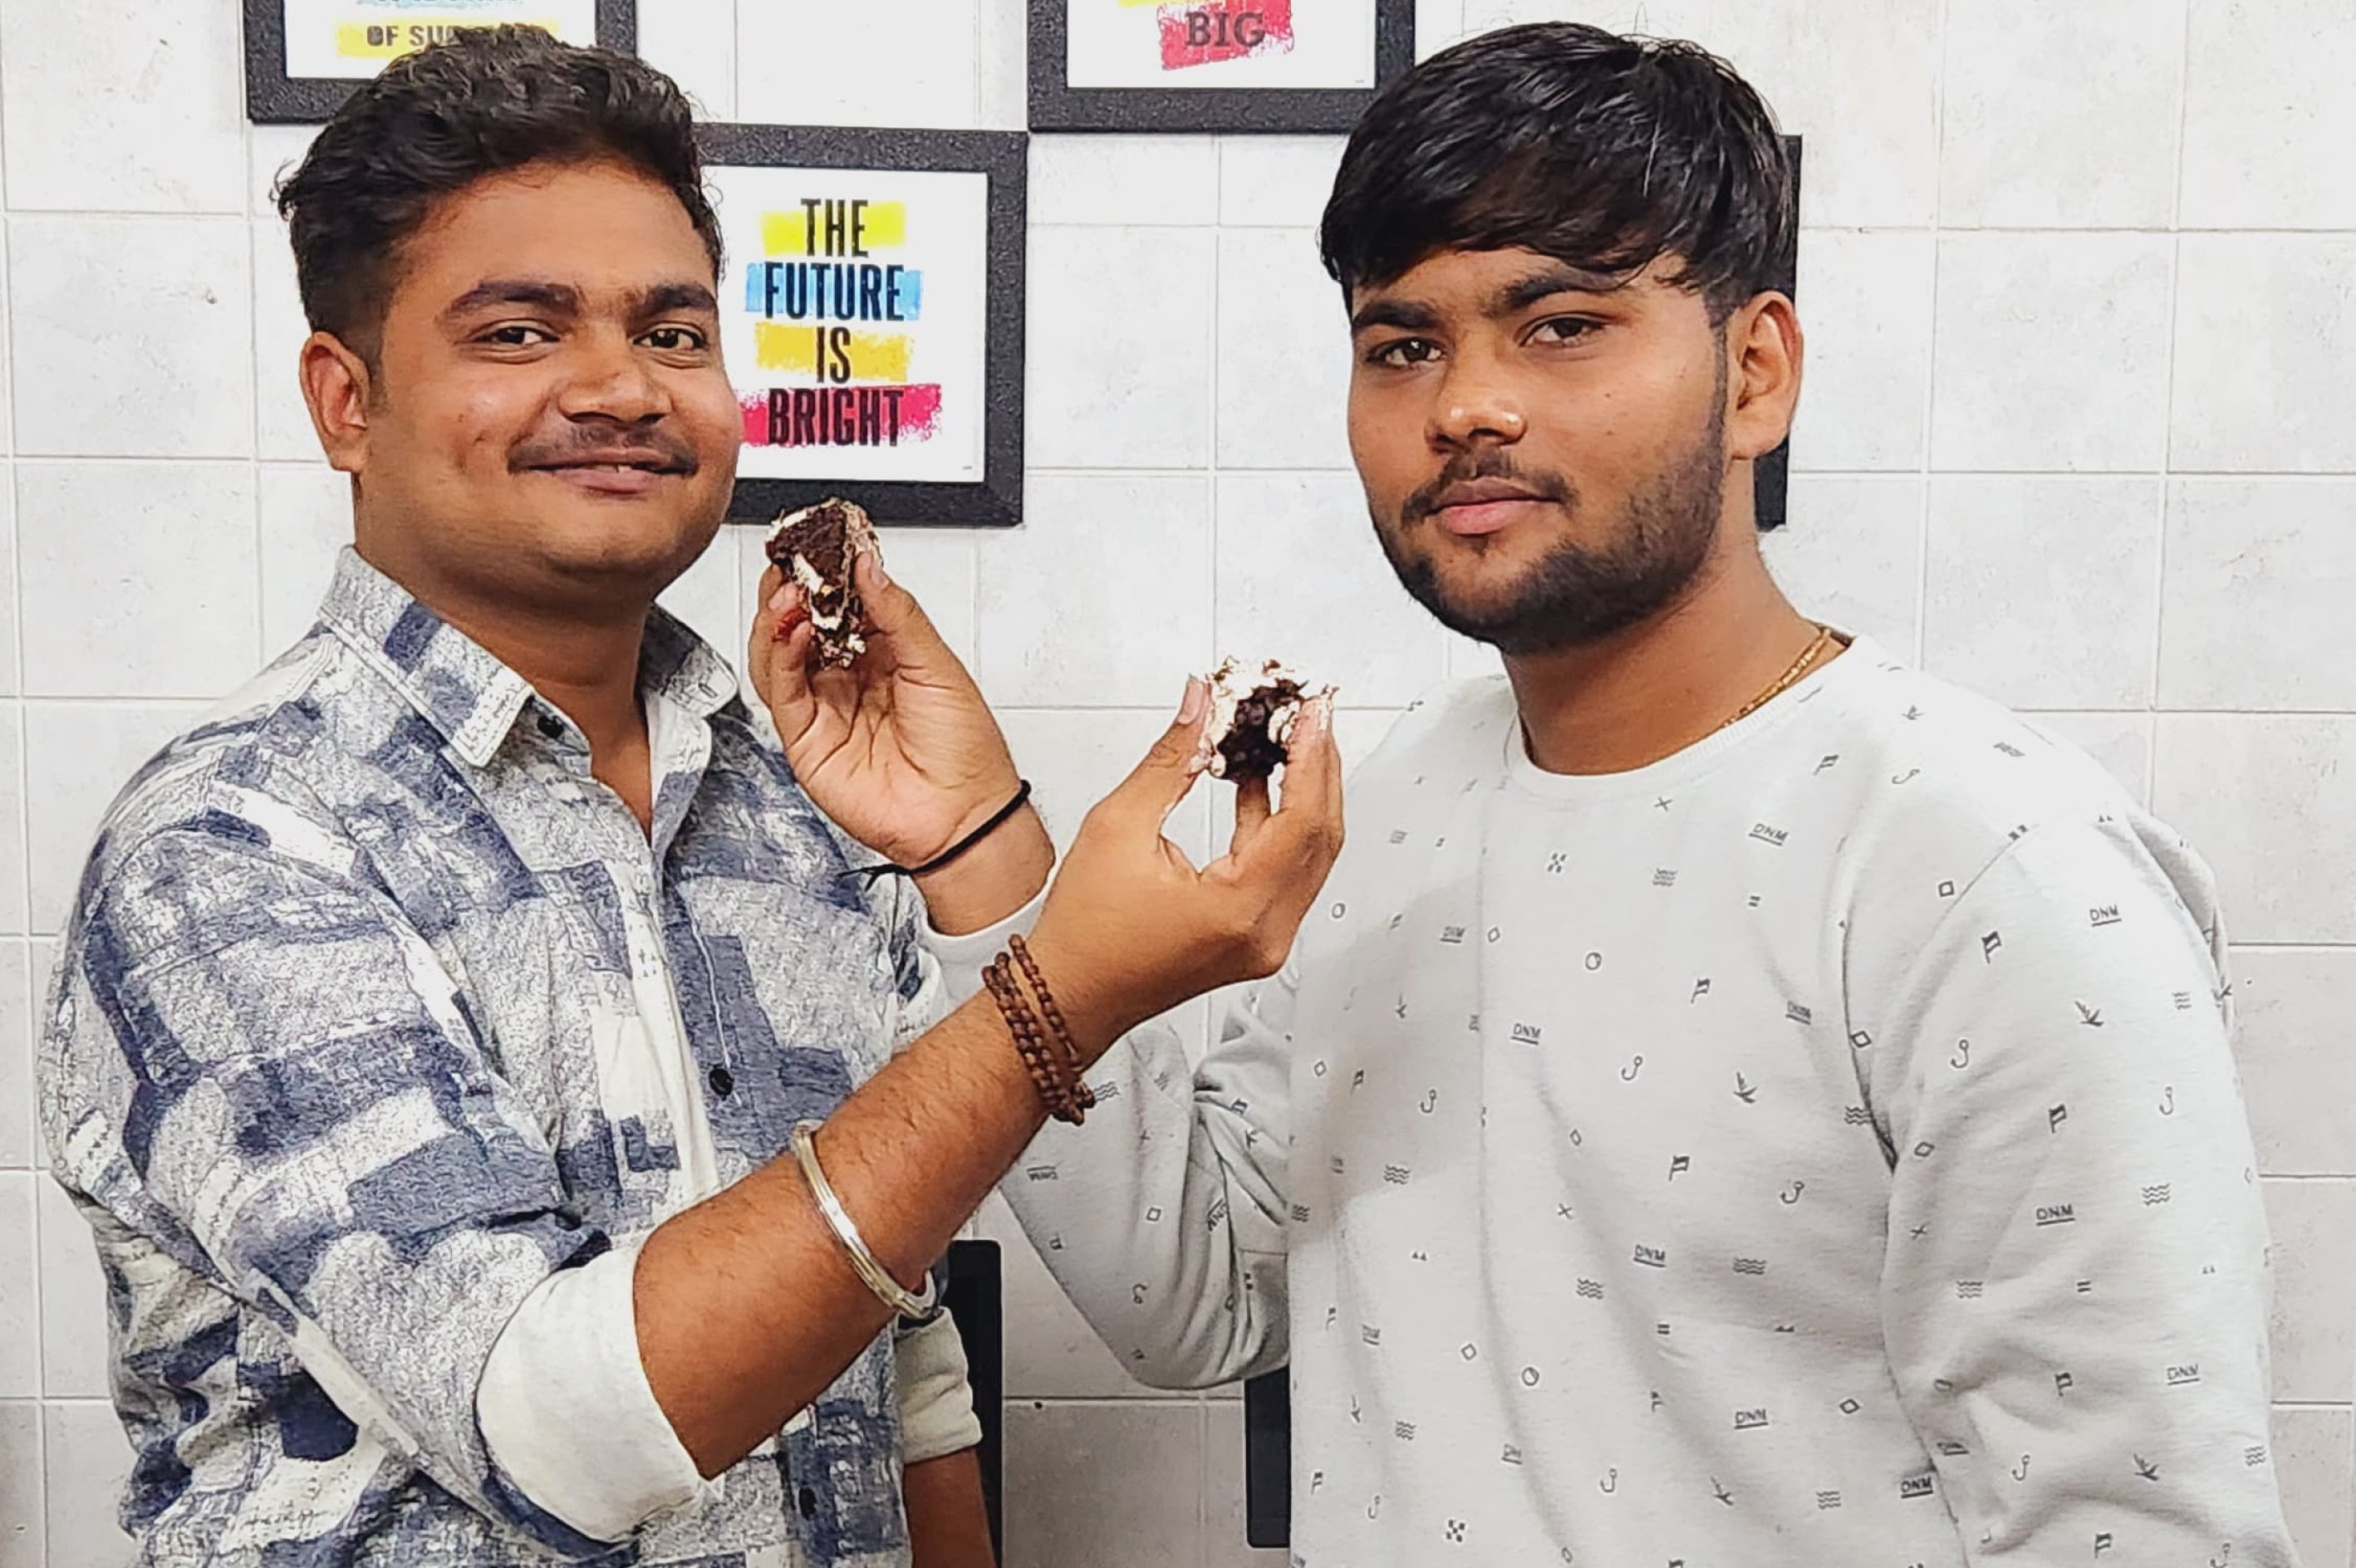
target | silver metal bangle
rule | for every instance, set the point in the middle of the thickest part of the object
(873, 1274)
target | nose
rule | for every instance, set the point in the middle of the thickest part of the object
(1473, 406)
(611, 380)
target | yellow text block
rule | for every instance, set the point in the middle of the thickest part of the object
(797, 350)
(390, 40)
(868, 226)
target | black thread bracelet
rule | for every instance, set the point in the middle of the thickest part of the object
(876, 873)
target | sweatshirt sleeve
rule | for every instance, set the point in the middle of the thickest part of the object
(2076, 1288)
(1164, 1217)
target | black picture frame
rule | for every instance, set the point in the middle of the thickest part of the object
(1267, 1460)
(274, 97)
(1056, 105)
(1004, 157)
(975, 1299)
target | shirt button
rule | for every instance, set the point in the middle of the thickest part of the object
(551, 726)
(724, 1083)
(808, 1499)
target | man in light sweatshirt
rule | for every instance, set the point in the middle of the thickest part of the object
(1738, 1101)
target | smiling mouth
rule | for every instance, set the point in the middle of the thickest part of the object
(617, 479)
(621, 466)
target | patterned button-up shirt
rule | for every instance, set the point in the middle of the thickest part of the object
(330, 1068)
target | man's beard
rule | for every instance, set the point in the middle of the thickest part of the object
(1579, 593)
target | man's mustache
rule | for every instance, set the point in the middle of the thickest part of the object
(661, 450)
(1465, 468)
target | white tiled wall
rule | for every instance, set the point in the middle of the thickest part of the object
(2080, 280)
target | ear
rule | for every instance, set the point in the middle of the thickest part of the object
(1763, 340)
(337, 387)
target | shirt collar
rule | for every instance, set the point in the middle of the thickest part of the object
(681, 669)
(463, 690)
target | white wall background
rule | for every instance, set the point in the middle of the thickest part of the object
(2079, 281)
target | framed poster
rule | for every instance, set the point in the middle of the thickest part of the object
(872, 317)
(302, 57)
(1212, 65)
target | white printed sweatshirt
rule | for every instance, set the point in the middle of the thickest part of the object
(1819, 1148)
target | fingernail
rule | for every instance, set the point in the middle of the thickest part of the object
(1190, 711)
(1320, 715)
(780, 599)
(882, 578)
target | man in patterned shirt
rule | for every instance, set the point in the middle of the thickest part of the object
(1739, 1102)
(432, 1017)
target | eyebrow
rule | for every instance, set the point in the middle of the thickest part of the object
(563, 299)
(665, 298)
(558, 298)
(1414, 316)
(1407, 316)
(1545, 283)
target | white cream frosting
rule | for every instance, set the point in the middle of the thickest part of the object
(859, 533)
(1230, 684)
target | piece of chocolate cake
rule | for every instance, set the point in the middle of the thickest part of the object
(817, 546)
(1252, 715)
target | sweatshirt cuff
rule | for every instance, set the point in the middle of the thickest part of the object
(937, 1413)
(963, 958)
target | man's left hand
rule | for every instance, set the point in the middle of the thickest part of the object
(900, 749)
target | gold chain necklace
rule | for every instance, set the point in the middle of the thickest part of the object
(1823, 639)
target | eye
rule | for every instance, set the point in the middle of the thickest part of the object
(519, 334)
(676, 340)
(1404, 351)
(1563, 329)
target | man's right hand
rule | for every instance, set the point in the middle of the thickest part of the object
(1131, 927)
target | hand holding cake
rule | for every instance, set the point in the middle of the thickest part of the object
(885, 729)
(1132, 927)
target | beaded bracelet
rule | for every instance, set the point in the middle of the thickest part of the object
(1048, 1053)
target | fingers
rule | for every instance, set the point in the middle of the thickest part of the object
(1143, 801)
(1307, 827)
(1252, 810)
(780, 661)
(775, 601)
(1327, 771)
(906, 635)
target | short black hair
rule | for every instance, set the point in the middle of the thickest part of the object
(487, 101)
(1604, 152)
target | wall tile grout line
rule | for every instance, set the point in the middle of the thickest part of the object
(21, 784)
(253, 350)
(197, 700)
(1916, 472)
(2168, 407)
(1931, 367)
